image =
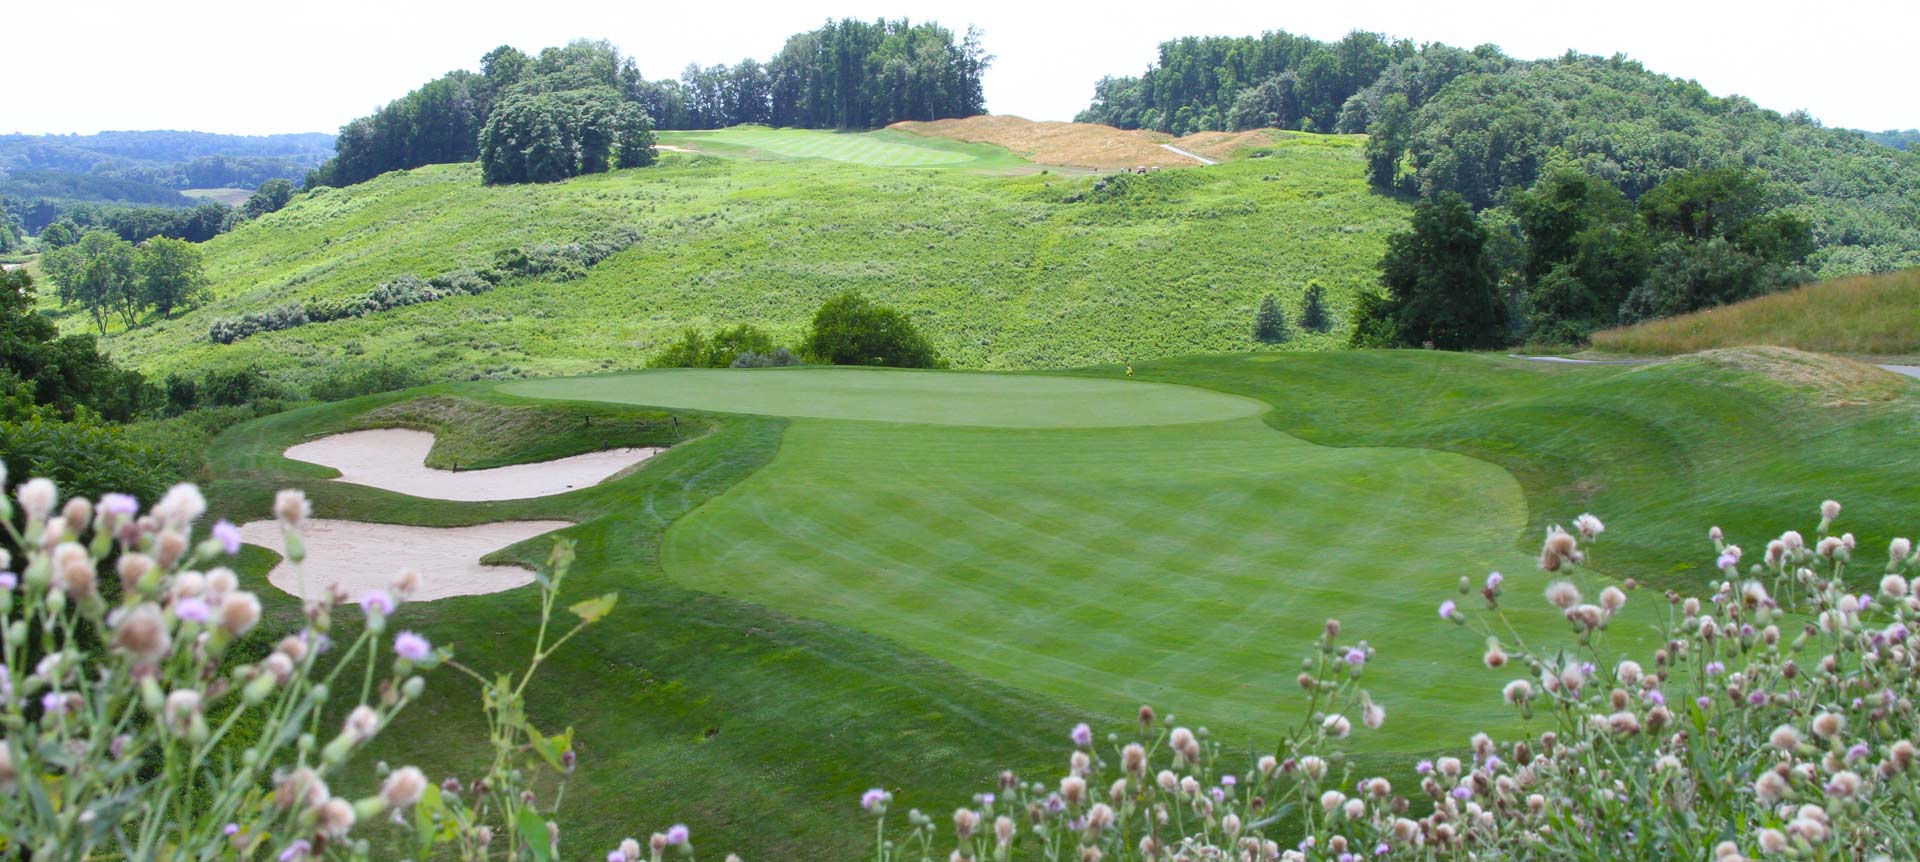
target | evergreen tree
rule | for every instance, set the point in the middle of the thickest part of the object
(1269, 323)
(1314, 316)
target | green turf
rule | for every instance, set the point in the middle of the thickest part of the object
(880, 149)
(998, 271)
(904, 396)
(811, 607)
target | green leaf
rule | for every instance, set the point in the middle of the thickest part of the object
(423, 812)
(533, 830)
(592, 610)
(550, 748)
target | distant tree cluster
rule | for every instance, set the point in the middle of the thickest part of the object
(111, 278)
(138, 224)
(1270, 325)
(1486, 126)
(742, 346)
(585, 108)
(1571, 254)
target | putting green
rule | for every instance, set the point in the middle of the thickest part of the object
(882, 149)
(927, 397)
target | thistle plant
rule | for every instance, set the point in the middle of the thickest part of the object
(1773, 720)
(139, 719)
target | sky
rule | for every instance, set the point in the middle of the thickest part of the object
(266, 66)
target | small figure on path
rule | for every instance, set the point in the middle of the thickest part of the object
(1129, 369)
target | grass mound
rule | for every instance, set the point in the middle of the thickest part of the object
(1832, 379)
(1868, 315)
(476, 435)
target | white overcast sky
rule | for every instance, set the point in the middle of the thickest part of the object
(274, 66)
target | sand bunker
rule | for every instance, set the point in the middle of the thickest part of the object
(361, 556)
(395, 459)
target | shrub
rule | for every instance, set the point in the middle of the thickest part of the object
(1774, 721)
(1269, 323)
(354, 381)
(780, 357)
(725, 348)
(233, 760)
(850, 330)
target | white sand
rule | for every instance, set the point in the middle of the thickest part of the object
(395, 459)
(362, 556)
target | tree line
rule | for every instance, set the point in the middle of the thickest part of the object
(111, 278)
(138, 224)
(585, 107)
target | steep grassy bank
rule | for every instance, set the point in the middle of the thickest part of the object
(1001, 272)
(1869, 315)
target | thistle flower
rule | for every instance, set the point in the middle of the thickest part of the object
(361, 724)
(142, 632)
(9, 775)
(1563, 594)
(291, 508)
(965, 820)
(1893, 586)
(677, 835)
(1448, 610)
(227, 535)
(412, 647)
(1337, 726)
(629, 851)
(1589, 526)
(1373, 715)
(1332, 799)
(301, 788)
(1899, 549)
(335, 819)
(1082, 735)
(1559, 549)
(1828, 725)
(1073, 789)
(377, 601)
(1612, 599)
(1099, 818)
(37, 497)
(1517, 692)
(1829, 510)
(183, 706)
(1133, 759)
(181, 506)
(239, 612)
(1786, 737)
(403, 787)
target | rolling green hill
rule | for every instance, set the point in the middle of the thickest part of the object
(1038, 270)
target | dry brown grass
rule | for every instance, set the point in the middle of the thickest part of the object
(1077, 145)
(1869, 315)
(1221, 146)
(1835, 380)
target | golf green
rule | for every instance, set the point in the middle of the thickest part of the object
(928, 397)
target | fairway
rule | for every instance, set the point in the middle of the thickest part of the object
(925, 397)
(879, 149)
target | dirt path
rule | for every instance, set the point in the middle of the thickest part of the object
(395, 459)
(1194, 156)
(361, 556)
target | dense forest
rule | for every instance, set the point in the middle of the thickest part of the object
(538, 110)
(1899, 139)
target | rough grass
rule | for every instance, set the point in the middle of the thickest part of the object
(999, 271)
(477, 435)
(230, 197)
(1868, 315)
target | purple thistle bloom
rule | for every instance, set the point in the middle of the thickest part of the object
(1356, 656)
(1462, 793)
(1726, 563)
(677, 835)
(1703, 701)
(192, 609)
(984, 799)
(1858, 752)
(1082, 735)
(1656, 698)
(120, 506)
(1446, 609)
(1423, 767)
(1493, 762)
(873, 799)
(1382, 849)
(1494, 580)
(1218, 795)
(231, 830)
(616, 856)
(1228, 780)
(1757, 698)
(1715, 668)
(53, 703)
(411, 647)
(377, 600)
(229, 536)
(296, 851)
(9, 580)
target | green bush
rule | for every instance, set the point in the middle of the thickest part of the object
(851, 330)
(723, 349)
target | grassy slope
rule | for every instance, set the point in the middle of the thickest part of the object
(1874, 315)
(758, 727)
(1000, 271)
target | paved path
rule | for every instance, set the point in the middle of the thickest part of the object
(1909, 370)
(1194, 156)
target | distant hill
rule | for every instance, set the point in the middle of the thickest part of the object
(1001, 268)
(1900, 139)
(41, 176)
(1483, 124)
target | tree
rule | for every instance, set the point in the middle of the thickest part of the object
(62, 374)
(1440, 290)
(60, 234)
(850, 330)
(633, 137)
(1387, 143)
(1313, 309)
(172, 274)
(100, 273)
(269, 198)
(1269, 323)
